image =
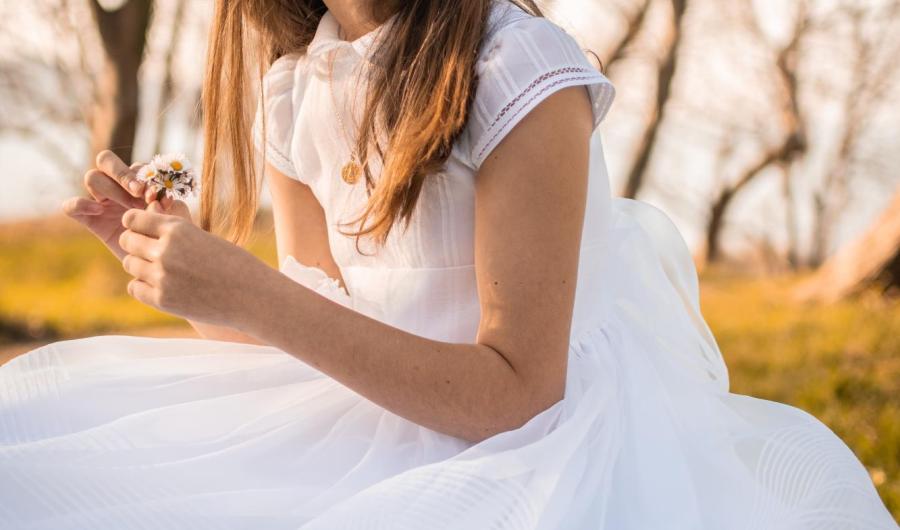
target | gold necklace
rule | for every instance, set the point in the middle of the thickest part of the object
(351, 170)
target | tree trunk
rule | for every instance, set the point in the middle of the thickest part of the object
(635, 24)
(715, 223)
(124, 35)
(792, 147)
(790, 214)
(636, 176)
(872, 258)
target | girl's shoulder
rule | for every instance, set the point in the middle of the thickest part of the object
(508, 21)
(502, 14)
(523, 59)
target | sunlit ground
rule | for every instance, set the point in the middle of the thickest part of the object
(839, 362)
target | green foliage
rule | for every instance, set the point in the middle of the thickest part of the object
(840, 362)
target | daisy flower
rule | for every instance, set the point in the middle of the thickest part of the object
(147, 172)
(171, 175)
(175, 162)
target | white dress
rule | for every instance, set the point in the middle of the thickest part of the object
(119, 432)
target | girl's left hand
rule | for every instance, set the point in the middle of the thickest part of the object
(184, 270)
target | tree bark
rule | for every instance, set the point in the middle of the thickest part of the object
(666, 73)
(872, 258)
(635, 24)
(870, 91)
(124, 36)
(790, 214)
(784, 153)
(791, 148)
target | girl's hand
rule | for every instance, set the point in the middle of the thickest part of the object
(113, 189)
(184, 270)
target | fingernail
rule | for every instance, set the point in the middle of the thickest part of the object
(134, 186)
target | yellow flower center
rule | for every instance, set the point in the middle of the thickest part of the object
(176, 165)
(169, 184)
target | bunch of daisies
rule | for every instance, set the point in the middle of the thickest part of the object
(171, 175)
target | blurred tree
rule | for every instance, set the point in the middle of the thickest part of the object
(782, 154)
(165, 97)
(634, 23)
(873, 46)
(123, 32)
(665, 74)
(873, 258)
(701, 76)
(93, 52)
(32, 78)
(815, 107)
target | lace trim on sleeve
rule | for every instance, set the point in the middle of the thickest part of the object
(274, 156)
(601, 98)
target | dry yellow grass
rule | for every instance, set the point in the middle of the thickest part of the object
(57, 280)
(840, 362)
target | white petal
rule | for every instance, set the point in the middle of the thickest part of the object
(181, 158)
(144, 172)
(159, 163)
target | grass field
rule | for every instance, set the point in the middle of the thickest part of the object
(840, 362)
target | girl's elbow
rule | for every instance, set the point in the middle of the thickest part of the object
(514, 416)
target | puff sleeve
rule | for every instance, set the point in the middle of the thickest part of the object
(522, 61)
(278, 100)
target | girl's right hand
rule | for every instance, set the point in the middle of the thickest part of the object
(113, 189)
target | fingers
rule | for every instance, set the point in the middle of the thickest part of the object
(140, 268)
(170, 206)
(81, 206)
(141, 291)
(179, 208)
(164, 203)
(146, 222)
(101, 186)
(109, 163)
(139, 245)
(149, 195)
(142, 187)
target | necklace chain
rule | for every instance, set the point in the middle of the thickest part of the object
(337, 112)
(351, 170)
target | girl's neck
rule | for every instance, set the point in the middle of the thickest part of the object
(358, 17)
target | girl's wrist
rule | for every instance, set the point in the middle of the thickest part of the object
(257, 304)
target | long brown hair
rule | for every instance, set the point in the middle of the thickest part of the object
(420, 91)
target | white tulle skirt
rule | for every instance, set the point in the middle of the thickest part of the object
(118, 432)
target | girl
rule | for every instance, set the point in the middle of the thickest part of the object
(466, 330)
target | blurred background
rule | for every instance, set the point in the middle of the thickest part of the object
(769, 130)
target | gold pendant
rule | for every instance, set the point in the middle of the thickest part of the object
(350, 172)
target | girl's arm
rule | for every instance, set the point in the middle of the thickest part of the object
(530, 201)
(300, 231)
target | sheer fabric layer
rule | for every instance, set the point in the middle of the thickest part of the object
(117, 432)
